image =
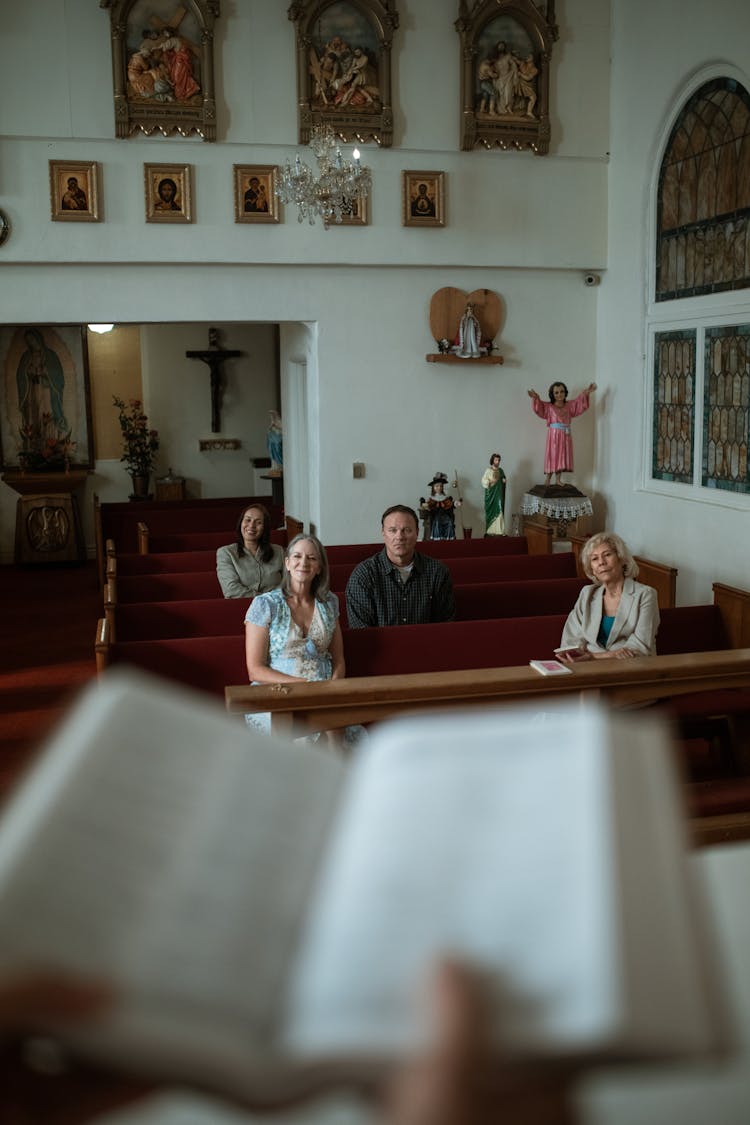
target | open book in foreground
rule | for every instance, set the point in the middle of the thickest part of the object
(270, 914)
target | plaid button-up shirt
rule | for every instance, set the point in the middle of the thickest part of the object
(376, 595)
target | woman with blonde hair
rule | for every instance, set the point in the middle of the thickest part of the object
(293, 633)
(615, 617)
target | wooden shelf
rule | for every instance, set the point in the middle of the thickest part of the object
(45, 484)
(210, 444)
(441, 357)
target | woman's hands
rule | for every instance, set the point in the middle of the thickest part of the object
(578, 656)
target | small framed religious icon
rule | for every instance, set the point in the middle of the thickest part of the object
(255, 199)
(168, 194)
(74, 191)
(423, 199)
(356, 215)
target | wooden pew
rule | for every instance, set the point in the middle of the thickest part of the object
(195, 617)
(149, 561)
(171, 562)
(302, 707)
(206, 617)
(162, 587)
(489, 568)
(441, 647)
(204, 539)
(719, 809)
(722, 627)
(182, 585)
(436, 548)
(119, 521)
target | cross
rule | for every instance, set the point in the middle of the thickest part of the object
(214, 357)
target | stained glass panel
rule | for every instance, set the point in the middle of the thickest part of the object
(674, 406)
(703, 205)
(726, 408)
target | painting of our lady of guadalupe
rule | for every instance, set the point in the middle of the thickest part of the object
(343, 62)
(163, 50)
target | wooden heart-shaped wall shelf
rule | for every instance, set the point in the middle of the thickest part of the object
(446, 309)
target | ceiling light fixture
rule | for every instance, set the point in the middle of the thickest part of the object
(336, 189)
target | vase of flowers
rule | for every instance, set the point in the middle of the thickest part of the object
(140, 445)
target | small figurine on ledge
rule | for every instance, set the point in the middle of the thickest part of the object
(558, 412)
(275, 442)
(438, 510)
(493, 483)
(468, 343)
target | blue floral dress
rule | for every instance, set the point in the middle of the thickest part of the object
(289, 650)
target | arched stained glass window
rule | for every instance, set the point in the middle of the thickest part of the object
(703, 205)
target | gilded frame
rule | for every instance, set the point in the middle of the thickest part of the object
(359, 216)
(344, 67)
(423, 199)
(255, 198)
(164, 81)
(506, 46)
(168, 193)
(46, 416)
(74, 191)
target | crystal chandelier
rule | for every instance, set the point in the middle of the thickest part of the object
(337, 188)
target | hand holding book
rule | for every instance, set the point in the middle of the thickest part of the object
(457, 1080)
(267, 937)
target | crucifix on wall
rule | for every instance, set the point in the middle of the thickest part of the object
(214, 356)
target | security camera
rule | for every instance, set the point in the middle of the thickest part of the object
(590, 279)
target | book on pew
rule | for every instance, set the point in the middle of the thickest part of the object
(550, 667)
(270, 914)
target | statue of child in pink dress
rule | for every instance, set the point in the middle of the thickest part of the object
(557, 413)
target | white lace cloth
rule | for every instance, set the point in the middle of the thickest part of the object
(557, 507)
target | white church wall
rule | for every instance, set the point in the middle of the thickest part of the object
(513, 209)
(667, 47)
(376, 397)
(525, 226)
(177, 390)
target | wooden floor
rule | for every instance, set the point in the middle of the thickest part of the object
(49, 617)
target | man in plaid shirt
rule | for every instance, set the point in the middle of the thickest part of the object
(399, 586)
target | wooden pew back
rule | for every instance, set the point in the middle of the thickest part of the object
(436, 548)
(493, 568)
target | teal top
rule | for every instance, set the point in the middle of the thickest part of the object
(605, 629)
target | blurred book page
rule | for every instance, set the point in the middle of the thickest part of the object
(170, 848)
(503, 838)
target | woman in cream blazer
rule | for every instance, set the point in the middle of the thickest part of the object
(616, 617)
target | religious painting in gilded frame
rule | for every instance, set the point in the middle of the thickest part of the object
(168, 193)
(344, 67)
(255, 199)
(45, 423)
(162, 66)
(506, 46)
(423, 199)
(356, 215)
(74, 191)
